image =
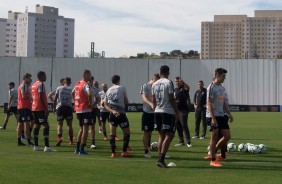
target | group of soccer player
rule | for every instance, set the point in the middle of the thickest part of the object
(160, 112)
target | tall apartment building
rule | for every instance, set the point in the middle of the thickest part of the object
(242, 37)
(40, 34)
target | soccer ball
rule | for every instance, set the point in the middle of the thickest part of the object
(250, 147)
(231, 147)
(262, 147)
(242, 147)
(255, 149)
(154, 146)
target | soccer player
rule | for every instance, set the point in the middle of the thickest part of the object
(83, 107)
(166, 113)
(104, 113)
(182, 98)
(40, 111)
(63, 108)
(200, 105)
(12, 105)
(148, 113)
(95, 110)
(24, 109)
(115, 101)
(216, 103)
(95, 106)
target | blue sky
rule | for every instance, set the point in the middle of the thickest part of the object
(128, 27)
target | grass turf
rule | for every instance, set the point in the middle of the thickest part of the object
(22, 165)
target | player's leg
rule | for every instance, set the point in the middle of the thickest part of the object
(213, 142)
(180, 133)
(70, 131)
(197, 124)
(27, 133)
(87, 121)
(92, 129)
(113, 129)
(59, 131)
(204, 121)
(184, 122)
(20, 127)
(6, 120)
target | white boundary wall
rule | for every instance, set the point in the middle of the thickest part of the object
(248, 82)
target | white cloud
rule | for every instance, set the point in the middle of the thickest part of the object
(126, 27)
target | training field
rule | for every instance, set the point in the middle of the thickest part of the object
(22, 165)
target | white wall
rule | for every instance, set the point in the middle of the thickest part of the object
(248, 82)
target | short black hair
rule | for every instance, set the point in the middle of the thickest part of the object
(62, 80)
(68, 80)
(40, 74)
(156, 76)
(177, 78)
(220, 71)
(26, 75)
(11, 84)
(164, 70)
(86, 72)
(201, 81)
(115, 79)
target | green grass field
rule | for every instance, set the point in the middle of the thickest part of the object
(22, 165)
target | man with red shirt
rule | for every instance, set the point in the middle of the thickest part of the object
(40, 111)
(24, 109)
(83, 107)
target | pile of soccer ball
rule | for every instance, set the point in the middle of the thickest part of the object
(248, 147)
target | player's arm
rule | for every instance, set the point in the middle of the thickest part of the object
(186, 86)
(210, 108)
(55, 101)
(227, 110)
(173, 105)
(146, 100)
(89, 95)
(9, 100)
(107, 106)
(50, 96)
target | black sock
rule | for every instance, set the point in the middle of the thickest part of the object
(78, 146)
(82, 146)
(4, 126)
(161, 157)
(105, 134)
(213, 159)
(126, 139)
(19, 140)
(113, 143)
(46, 136)
(146, 151)
(22, 133)
(93, 141)
(223, 150)
(35, 135)
(30, 129)
(149, 142)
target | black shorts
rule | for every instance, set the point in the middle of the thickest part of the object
(105, 116)
(64, 112)
(25, 115)
(222, 123)
(12, 110)
(121, 120)
(147, 121)
(164, 122)
(95, 113)
(84, 118)
(40, 117)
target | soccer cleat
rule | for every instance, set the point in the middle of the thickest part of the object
(21, 144)
(195, 137)
(23, 138)
(207, 157)
(93, 146)
(116, 138)
(71, 143)
(82, 152)
(2, 128)
(48, 149)
(202, 137)
(37, 148)
(114, 155)
(105, 138)
(215, 164)
(77, 151)
(179, 144)
(161, 164)
(60, 140)
(147, 155)
(220, 159)
(126, 154)
(189, 145)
